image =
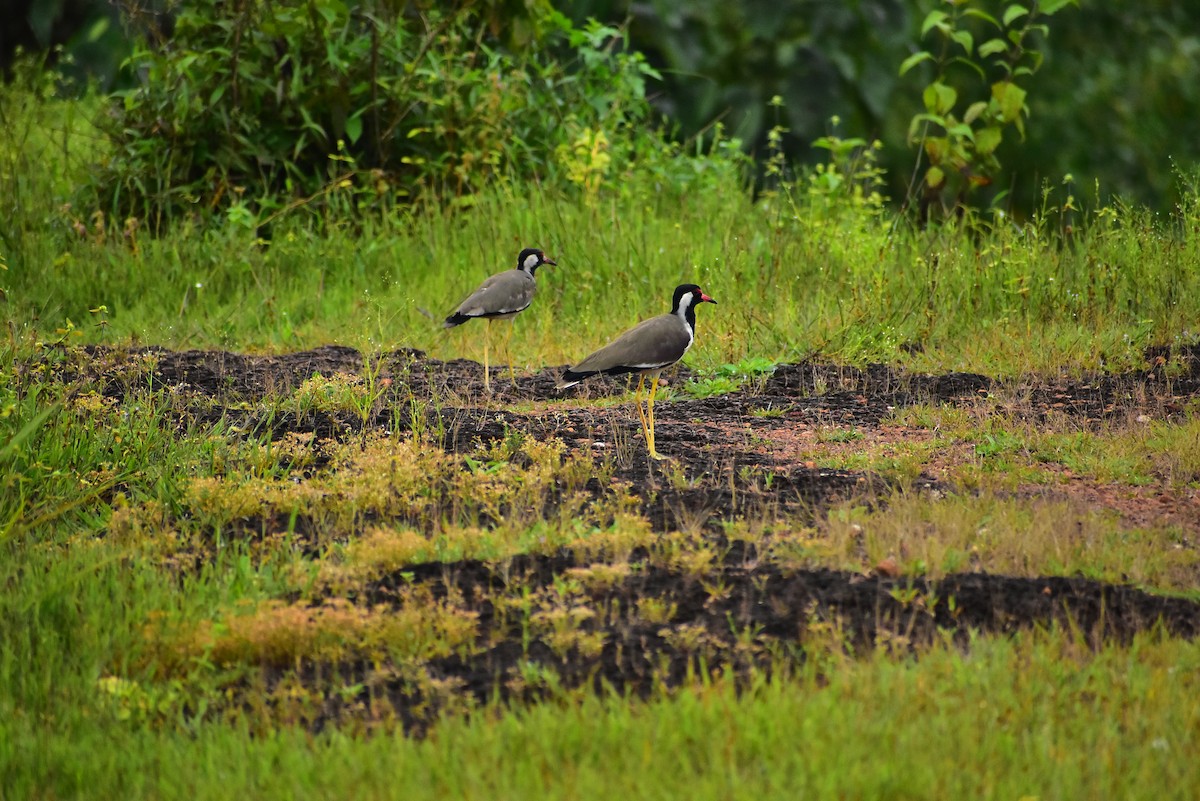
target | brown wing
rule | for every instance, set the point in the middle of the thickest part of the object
(502, 294)
(649, 345)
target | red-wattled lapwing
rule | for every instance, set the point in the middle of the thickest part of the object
(646, 349)
(502, 296)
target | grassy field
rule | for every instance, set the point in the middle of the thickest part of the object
(211, 590)
(1031, 717)
(819, 266)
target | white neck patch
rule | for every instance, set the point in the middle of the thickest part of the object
(531, 261)
(685, 303)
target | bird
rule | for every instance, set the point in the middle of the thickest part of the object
(501, 297)
(646, 349)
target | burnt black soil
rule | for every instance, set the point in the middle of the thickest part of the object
(715, 444)
(709, 440)
(738, 613)
(741, 617)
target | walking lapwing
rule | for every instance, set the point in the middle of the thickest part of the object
(646, 349)
(502, 296)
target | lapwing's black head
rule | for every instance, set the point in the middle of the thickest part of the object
(532, 258)
(687, 296)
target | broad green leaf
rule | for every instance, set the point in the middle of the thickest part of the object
(1048, 7)
(939, 98)
(992, 47)
(913, 125)
(970, 64)
(988, 139)
(920, 118)
(934, 177)
(958, 158)
(965, 39)
(983, 15)
(914, 60)
(973, 111)
(98, 29)
(354, 126)
(961, 131)
(1014, 12)
(933, 19)
(1010, 98)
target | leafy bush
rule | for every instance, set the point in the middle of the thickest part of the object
(251, 104)
(1119, 87)
(960, 146)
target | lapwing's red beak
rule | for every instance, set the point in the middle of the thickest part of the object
(550, 261)
(706, 299)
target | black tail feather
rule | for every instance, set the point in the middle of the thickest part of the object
(570, 378)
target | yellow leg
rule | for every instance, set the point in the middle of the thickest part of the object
(487, 386)
(654, 454)
(507, 339)
(637, 399)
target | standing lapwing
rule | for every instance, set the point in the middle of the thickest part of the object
(646, 349)
(503, 295)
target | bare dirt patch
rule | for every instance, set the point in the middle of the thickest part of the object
(649, 622)
(771, 442)
(739, 616)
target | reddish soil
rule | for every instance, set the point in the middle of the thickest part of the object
(768, 426)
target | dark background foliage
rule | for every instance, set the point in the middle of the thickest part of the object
(1117, 101)
(1115, 105)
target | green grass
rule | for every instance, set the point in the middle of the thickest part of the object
(1040, 306)
(146, 578)
(797, 272)
(1023, 537)
(1003, 448)
(1036, 716)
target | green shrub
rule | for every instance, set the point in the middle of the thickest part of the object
(254, 105)
(960, 142)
